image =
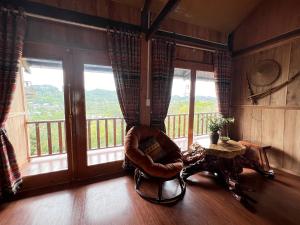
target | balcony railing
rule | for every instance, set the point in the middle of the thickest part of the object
(48, 137)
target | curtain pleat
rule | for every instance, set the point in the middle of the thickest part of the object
(125, 55)
(124, 51)
(12, 31)
(163, 55)
(223, 70)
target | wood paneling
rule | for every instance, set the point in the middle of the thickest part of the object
(125, 13)
(272, 134)
(43, 31)
(291, 140)
(271, 18)
(275, 120)
(293, 93)
(193, 30)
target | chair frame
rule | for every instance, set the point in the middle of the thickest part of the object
(139, 175)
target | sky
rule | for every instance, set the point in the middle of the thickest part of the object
(105, 80)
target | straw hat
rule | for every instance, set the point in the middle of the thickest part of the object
(265, 73)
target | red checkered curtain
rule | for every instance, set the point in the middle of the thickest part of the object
(12, 30)
(163, 55)
(222, 67)
(125, 54)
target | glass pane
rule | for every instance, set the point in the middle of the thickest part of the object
(44, 95)
(105, 123)
(205, 105)
(177, 119)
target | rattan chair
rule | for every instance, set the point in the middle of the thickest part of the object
(169, 168)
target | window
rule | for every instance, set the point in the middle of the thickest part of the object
(44, 97)
(105, 123)
(191, 106)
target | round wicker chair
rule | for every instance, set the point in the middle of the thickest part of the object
(169, 168)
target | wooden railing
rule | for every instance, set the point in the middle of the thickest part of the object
(48, 137)
(177, 124)
(105, 133)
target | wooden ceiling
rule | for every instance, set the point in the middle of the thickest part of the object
(220, 15)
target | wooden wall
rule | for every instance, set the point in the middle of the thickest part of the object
(271, 18)
(276, 119)
(16, 123)
(128, 14)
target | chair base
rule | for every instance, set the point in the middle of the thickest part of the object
(139, 176)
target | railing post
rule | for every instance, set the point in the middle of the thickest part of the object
(60, 143)
(98, 134)
(179, 125)
(174, 117)
(89, 135)
(168, 125)
(122, 131)
(198, 123)
(184, 124)
(106, 133)
(49, 138)
(114, 132)
(38, 141)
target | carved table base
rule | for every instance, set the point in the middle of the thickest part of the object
(228, 170)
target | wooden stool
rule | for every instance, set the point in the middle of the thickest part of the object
(262, 151)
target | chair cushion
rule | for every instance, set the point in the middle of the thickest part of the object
(152, 148)
(167, 168)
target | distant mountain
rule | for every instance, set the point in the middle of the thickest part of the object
(46, 102)
(197, 98)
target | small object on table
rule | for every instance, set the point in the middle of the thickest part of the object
(195, 153)
(225, 139)
(227, 161)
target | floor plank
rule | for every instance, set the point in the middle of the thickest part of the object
(115, 202)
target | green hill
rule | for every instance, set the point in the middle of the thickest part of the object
(45, 102)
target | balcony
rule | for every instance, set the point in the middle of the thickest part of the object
(105, 140)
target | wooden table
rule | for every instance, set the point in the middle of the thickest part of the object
(226, 161)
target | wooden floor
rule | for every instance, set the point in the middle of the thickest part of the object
(115, 202)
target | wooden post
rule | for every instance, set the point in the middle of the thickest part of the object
(145, 83)
(145, 94)
(191, 107)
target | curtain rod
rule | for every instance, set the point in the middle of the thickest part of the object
(194, 47)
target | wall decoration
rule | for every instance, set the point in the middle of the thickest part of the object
(265, 73)
(255, 97)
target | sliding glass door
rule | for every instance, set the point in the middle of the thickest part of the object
(45, 80)
(205, 105)
(178, 113)
(99, 126)
(193, 102)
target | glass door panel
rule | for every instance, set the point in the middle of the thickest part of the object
(178, 114)
(205, 105)
(43, 82)
(105, 126)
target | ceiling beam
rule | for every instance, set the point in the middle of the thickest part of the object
(162, 15)
(145, 15)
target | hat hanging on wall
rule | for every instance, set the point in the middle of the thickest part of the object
(265, 73)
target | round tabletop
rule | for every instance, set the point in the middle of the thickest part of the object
(229, 150)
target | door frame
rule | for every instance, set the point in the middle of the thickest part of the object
(83, 170)
(193, 67)
(54, 52)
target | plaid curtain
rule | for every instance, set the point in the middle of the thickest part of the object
(12, 30)
(222, 67)
(163, 55)
(125, 54)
